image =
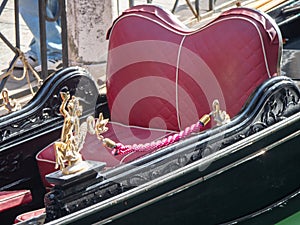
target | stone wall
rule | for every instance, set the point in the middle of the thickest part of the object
(88, 22)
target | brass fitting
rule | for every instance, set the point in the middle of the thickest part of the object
(109, 143)
(204, 119)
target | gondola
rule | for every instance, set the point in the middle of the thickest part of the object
(158, 163)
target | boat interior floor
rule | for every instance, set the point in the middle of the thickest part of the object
(291, 63)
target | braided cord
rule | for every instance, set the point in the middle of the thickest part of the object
(120, 149)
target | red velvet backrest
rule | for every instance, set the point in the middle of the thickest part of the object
(161, 76)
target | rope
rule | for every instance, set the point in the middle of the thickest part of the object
(25, 74)
(120, 149)
(220, 116)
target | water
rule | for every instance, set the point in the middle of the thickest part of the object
(286, 213)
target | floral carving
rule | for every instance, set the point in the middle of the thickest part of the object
(9, 164)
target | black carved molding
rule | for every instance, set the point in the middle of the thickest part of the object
(43, 109)
(279, 106)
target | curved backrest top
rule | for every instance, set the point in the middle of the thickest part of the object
(162, 76)
(155, 13)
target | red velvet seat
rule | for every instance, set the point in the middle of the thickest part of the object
(29, 215)
(15, 198)
(163, 76)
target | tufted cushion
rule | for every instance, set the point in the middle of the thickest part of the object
(161, 76)
(11, 199)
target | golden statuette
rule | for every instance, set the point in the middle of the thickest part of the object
(220, 116)
(67, 150)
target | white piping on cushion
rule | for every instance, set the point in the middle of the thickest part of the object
(176, 82)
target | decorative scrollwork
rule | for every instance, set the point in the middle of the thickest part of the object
(276, 109)
(9, 164)
(269, 115)
(289, 99)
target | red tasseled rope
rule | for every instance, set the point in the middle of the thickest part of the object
(120, 149)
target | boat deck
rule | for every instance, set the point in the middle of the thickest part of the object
(291, 63)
